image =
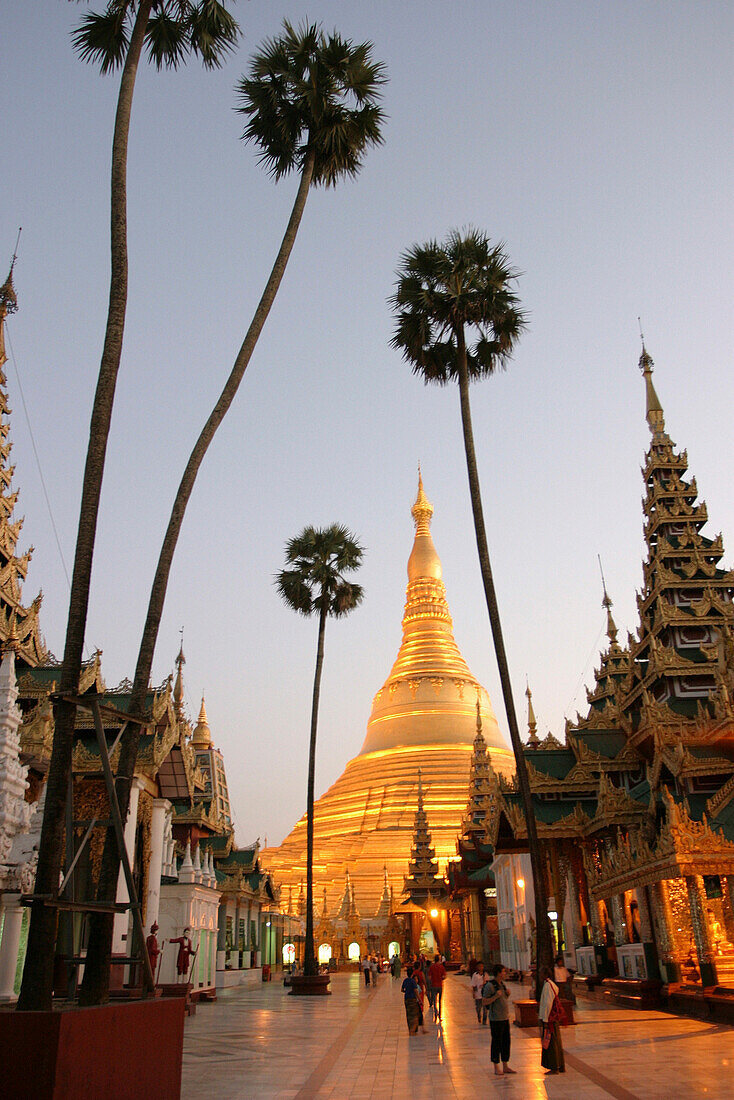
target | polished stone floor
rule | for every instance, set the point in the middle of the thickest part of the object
(258, 1043)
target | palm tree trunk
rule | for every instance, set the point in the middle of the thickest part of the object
(537, 858)
(37, 988)
(309, 961)
(95, 986)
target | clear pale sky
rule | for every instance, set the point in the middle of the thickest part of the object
(595, 140)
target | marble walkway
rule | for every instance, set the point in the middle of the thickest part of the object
(258, 1043)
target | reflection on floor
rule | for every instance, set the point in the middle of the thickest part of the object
(258, 1043)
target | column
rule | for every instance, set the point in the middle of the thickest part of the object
(647, 935)
(701, 931)
(161, 809)
(573, 904)
(237, 960)
(9, 945)
(617, 910)
(222, 935)
(119, 934)
(258, 934)
(250, 946)
(663, 919)
(597, 925)
(728, 906)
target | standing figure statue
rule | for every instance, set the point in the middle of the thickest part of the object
(151, 946)
(185, 953)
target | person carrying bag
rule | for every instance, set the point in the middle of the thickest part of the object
(551, 1016)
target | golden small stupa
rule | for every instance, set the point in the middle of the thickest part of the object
(423, 717)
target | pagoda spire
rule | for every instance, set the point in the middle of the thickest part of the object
(533, 740)
(202, 738)
(607, 605)
(481, 789)
(342, 913)
(8, 300)
(178, 692)
(383, 909)
(428, 695)
(654, 410)
(30, 648)
(423, 877)
(678, 666)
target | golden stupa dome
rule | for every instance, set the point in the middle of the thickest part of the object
(423, 722)
(430, 696)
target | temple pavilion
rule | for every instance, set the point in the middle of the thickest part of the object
(423, 717)
(635, 807)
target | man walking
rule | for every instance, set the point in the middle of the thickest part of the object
(437, 976)
(477, 981)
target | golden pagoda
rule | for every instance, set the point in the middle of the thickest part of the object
(423, 717)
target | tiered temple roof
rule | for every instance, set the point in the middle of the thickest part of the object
(654, 754)
(14, 616)
(423, 879)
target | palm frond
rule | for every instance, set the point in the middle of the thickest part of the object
(102, 37)
(318, 558)
(167, 40)
(213, 32)
(294, 591)
(175, 28)
(309, 92)
(462, 286)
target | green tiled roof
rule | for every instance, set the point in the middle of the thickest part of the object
(605, 742)
(554, 762)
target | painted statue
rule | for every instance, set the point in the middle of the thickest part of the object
(151, 946)
(185, 953)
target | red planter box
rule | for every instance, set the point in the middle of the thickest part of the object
(116, 1051)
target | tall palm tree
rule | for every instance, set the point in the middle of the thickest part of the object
(314, 582)
(311, 101)
(444, 294)
(171, 30)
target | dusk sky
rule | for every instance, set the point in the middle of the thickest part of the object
(594, 139)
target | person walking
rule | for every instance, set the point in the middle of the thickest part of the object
(496, 1002)
(409, 989)
(420, 981)
(478, 979)
(550, 1014)
(424, 970)
(437, 976)
(366, 970)
(395, 966)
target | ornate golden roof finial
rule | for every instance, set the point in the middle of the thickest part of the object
(423, 562)
(8, 299)
(11, 642)
(202, 738)
(533, 740)
(420, 790)
(479, 714)
(607, 604)
(178, 686)
(422, 510)
(654, 410)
